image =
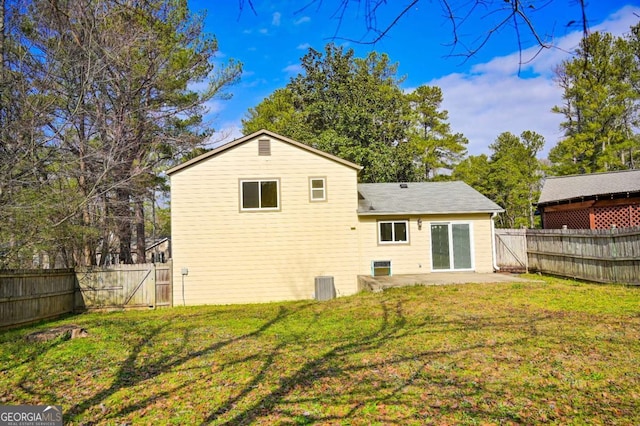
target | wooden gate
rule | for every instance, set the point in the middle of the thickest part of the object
(164, 287)
(511, 250)
(123, 286)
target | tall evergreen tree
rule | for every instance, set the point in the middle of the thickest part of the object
(510, 176)
(354, 108)
(430, 133)
(119, 76)
(600, 106)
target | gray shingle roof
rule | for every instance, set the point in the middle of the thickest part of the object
(422, 198)
(561, 188)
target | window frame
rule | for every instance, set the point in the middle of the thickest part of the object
(451, 255)
(241, 183)
(393, 222)
(324, 189)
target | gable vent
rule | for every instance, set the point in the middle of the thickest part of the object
(264, 147)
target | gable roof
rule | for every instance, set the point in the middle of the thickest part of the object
(255, 135)
(565, 188)
(422, 198)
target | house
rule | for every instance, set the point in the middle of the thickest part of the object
(158, 251)
(264, 217)
(591, 201)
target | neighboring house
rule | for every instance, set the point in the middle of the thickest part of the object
(591, 201)
(159, 251)
(260, 218)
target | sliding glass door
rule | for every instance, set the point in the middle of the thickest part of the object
(451, 246)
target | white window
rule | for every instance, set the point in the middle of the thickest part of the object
(318, 189)
(260, 194)
(393, 231)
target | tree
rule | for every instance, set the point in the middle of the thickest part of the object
(354, 108)
(119, 78)
(510, 176)
(24, 147)
(350, 107)
(600, 106)
(436, 146)
(475, 171)
(490, 18)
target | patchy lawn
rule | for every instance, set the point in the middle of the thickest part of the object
(550, 352)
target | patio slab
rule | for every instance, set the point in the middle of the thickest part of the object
(367, 282)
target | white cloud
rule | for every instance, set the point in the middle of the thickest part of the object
(493, 98)
(275, 20)
(263, 31)
(483, 106)
(227, 132)
(302, 20)
(543, 61)
(213, 107)
(292, 69)
(303, 46)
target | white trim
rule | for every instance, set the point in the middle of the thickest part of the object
(373, 269)
(323, 189)
(496, 268)
(393, 231)
(472, 253)
(259, 181)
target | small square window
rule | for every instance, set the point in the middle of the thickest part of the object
(393, 231)
(317, 189)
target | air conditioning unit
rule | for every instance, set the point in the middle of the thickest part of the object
(325, 289)
(381, 268)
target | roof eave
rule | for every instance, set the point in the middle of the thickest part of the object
(253, 135)
(582, 198)
(416, 213)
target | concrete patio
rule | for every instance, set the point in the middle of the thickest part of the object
(367, 282)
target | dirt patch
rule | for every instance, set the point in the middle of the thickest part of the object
(64, 332)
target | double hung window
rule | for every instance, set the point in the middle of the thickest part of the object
(318, 189)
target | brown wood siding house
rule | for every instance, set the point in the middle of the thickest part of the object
(591, 201)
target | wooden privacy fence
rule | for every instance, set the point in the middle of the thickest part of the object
(600, 255)
(33, 295)
(511, 250)
(130, 286)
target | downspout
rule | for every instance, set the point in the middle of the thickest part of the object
(496, 268)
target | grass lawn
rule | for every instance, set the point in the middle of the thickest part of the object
(556, 352)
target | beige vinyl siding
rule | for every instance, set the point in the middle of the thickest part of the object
(238, 256)
(415, 257)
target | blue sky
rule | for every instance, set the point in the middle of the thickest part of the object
(485, 95)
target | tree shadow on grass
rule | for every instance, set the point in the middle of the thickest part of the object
(249, 404)
(129, 375)
(324, 367)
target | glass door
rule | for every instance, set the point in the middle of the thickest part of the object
(451, 246)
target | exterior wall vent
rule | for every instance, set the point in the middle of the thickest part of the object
(404, 186)
(381, 268)
(264, 147)
(325, 289)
